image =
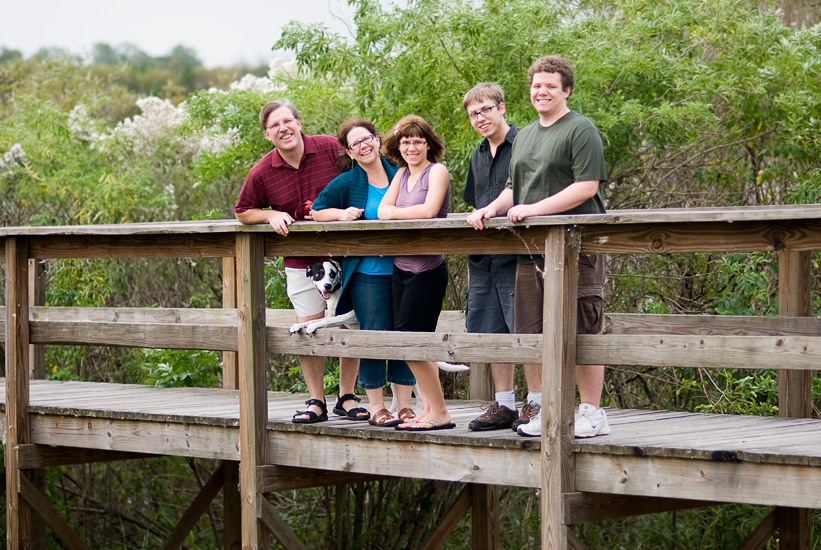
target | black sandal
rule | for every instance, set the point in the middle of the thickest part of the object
(353, 414)
(313, 418)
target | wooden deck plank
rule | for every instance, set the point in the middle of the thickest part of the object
(151, 411)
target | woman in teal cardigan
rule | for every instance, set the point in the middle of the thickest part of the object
(353, 195)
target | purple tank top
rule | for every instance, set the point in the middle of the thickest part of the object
(418, 264)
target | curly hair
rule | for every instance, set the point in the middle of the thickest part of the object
(343, 161)
(412, 126)
(553, 64)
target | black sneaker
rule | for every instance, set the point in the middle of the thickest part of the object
(528, 411)
(496, 417)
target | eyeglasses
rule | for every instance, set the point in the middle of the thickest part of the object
(287, 122)
(484, 111)
(415, 143)
(357, 144)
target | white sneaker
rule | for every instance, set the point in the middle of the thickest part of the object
(590, 421)
(532, 428)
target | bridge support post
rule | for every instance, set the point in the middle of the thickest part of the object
(253, 385)
(794, 387)
(19, 531)
(231, 500)
(561, 270)
(37, 371)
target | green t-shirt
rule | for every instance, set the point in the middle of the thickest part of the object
(545, 161)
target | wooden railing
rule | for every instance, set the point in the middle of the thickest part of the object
(790, 344)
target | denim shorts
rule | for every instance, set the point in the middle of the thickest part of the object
(489, 306)
(529, 296)
(372, 297)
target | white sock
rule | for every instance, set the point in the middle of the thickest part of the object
(506, 399)
(535, 398)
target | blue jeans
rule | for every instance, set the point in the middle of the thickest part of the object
(490, 299)
(372, 297)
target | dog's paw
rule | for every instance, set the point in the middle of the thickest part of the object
(310, 328)
(296, 327)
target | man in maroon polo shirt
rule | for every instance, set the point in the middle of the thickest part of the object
(274, 192)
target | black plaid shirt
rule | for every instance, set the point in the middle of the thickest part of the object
(487, 177)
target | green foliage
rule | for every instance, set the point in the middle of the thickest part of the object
(180, 368)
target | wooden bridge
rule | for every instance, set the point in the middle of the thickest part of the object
(652, 461)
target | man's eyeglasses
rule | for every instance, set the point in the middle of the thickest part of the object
(287, 122)
(484, 111)
(415, 143)
(357, 144)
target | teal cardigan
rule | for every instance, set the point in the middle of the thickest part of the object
(346, 190)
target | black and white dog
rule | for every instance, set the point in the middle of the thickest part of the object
(327, 277)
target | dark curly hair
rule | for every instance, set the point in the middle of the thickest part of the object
(554, 64)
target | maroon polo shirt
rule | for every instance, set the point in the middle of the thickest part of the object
(273, 183)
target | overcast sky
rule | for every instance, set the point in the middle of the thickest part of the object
(223, 33)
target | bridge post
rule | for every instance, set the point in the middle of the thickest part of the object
(19, 531)
(561, 269)
(37, 371)
(231, 499)
(253, 385)
(794, 387)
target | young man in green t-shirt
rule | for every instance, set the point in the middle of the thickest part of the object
(557, 167)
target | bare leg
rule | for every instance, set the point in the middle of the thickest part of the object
(590, 379)
(427, 376)
(348, 369)
(533, 377)
(313, 370)
(376, 400)
(403, 396)
(503, 376)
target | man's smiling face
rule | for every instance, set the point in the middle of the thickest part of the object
(488, 124)
(547, 95)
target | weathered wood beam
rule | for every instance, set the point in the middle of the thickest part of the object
(484, 516)
(705, 480)
(481, 382)
(19, 531)
(463, 240)
(136, 436)
(573, 541)
(421, 346)
(464, 463)
(43, 456)
(741, 236)
(561, 274)
(584, 507)
(150, 335)
(271, 479)
(37, 362)
(794, 386)
(39, 503)
(195, 510)
(749, 352)
(762, 533)
(710, 325)
(133, 246)
(445, 527)
(278, 527)
(253, 396)
(231, 497)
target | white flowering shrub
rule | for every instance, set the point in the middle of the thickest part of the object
(251, 83)
(13, 158)
(81, 125)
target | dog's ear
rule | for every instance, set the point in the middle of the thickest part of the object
(309, 271)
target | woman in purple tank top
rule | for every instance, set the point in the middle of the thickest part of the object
(420, 189)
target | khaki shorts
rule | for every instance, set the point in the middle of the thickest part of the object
(528, 298)
(303, 293)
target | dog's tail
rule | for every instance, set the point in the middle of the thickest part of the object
(450, 367)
